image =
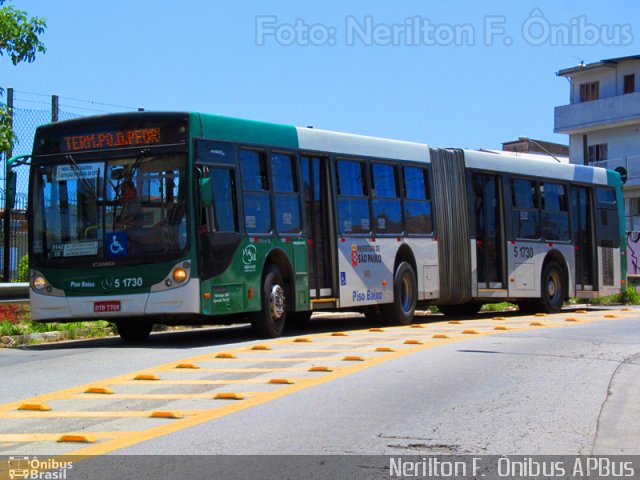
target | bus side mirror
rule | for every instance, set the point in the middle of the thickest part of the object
(206, 192)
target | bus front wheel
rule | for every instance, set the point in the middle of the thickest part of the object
(134, 331)
(552, 289)
(269, 321)
(405, 297)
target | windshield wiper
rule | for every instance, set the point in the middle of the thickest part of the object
(78, 172)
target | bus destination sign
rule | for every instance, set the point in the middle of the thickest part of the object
(111, 139)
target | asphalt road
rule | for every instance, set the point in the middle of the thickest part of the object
(562, 387)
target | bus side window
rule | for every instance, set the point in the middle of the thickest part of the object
(525, 209)
(555, 216)
(285, 188)
(417, 205)
(353, 201)
(387, 211)
(255, 186)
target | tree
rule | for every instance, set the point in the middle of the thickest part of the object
(19, 40)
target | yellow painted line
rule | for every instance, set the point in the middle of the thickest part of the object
(78, 414)
(53, 437)
(238, 370)
(202, 416)
(202, 382)
(154, 396)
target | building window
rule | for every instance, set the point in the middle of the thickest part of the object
(597, 152)
(589, 91)
(629, 83)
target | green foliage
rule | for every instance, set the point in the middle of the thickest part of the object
(20, 41)
(23, 269)
(629, 297)
(19, 35)
(10, 328)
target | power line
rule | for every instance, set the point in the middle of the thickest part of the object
(72, 99)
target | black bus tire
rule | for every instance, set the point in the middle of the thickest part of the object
(405, 297)
(552, 289)
(269, 321)
(131, 332)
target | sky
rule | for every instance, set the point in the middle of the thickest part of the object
(462, 74)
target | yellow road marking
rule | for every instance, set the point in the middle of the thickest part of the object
(118, 440)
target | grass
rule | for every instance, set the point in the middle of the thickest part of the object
(629, 297)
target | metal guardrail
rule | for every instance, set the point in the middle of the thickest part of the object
(14, 291)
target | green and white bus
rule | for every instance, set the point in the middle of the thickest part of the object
(183, 218)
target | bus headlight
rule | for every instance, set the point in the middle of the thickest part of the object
(39, 283)
(180, 275)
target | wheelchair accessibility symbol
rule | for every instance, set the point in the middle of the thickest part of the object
(117, 244)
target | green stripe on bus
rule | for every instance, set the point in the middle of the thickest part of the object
(613, 180)
(246, 131)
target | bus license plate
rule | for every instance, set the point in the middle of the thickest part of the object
(105, 307)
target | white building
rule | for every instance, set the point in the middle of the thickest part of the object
(603, 123)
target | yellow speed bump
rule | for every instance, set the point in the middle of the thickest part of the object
(302, 340)
(261, 347)
(339, 334)
(187, 365)
(225, 355)
(379, 330)
(455, 322)
(353, 358)
(412, 342)
(535, 324)
(625, 309)
(384, 349)
(166, 415)
(99, 390)
(77, 438)
(611, 316)
(281, 381)
(39, 407)
(540, 315)
(229, 396)
(470, 331)
(147, 376)
(440, 335)
(417, 325)
(321, 368)
(571, 319)
(501, 327)
(582, 311)
(499, 318)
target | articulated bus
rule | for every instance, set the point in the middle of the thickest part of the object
(186, 218)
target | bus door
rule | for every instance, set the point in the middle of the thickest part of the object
(489, 231)
(583, 235)
(316, 188)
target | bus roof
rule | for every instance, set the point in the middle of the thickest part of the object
(535, 167)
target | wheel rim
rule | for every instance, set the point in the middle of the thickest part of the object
(553, 287)
(277, 301)
(406, 294)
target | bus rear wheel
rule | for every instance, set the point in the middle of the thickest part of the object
(405, 297)
(269, 321)
(552, 289)
(131, 332)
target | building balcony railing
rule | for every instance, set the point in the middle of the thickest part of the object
(605, 112)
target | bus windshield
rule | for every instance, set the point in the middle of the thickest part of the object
(111, 209)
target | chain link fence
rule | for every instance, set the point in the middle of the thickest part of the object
(25, 122)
